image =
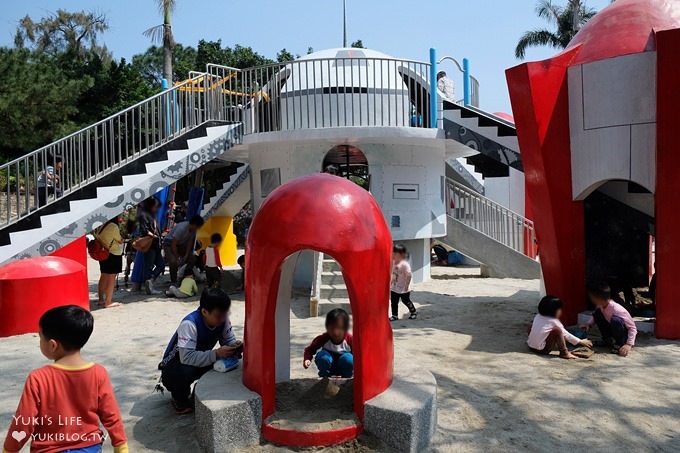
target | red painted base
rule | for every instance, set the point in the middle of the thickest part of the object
(292, 438)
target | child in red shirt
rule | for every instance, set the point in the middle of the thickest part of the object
(64, 402)
(335, 355)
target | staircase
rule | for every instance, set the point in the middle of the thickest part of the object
(107, 167)
(502, 240)
(329, 287)
(494, 138)
(227, 192)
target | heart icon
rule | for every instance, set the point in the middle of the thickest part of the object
(19, 435)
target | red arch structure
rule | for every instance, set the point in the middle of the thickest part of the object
(334, 216)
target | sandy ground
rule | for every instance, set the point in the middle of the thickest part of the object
(492, 394)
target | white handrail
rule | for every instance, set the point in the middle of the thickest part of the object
(490, 218)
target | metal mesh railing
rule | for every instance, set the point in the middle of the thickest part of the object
(491, 219)
(41, 177)
(322, 93)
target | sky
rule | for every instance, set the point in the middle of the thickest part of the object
(484, 31)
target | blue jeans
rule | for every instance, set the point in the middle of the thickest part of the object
(334, 364)
(96, 448)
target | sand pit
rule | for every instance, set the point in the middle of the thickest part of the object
(493, 396)
(314, 405)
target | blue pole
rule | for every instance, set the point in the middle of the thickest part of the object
(434, 101)
(466, 81)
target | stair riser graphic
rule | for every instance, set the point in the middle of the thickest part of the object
(63, 228)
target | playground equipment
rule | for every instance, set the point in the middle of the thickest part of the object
(334, 216)
(596, 124)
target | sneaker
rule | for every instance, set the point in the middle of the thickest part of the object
(150, 289)
(413, 315)
(394, 318)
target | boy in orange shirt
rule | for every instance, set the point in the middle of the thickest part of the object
(64, 402)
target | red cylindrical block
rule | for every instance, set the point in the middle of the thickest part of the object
(30, 287)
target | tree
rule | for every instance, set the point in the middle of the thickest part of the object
(64, 32)
(163, 33)
(39, 100)
(150, 63)
(568, 20)
(358, 44)
(284, 56)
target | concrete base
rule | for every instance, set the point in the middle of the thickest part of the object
(405, 415)
(228, 415)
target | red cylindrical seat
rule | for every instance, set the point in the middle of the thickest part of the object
(30, 287)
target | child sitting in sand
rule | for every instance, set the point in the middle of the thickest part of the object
(213, 264)
(188, 288)
(400, 287)
(334, 356)
(64, 402)
(614, 322)
(190, 353)
(547, 332)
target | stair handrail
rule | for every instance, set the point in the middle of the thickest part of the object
(35, 180)
(491, 218)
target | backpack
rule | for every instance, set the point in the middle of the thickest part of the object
(96, 249)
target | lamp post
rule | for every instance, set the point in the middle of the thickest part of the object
(344, 23)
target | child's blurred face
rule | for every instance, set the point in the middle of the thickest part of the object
(598, 301)
(397, 257)
(336, 331)
(214, 318)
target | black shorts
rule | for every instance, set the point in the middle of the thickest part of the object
(112, 265)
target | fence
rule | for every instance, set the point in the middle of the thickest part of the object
(321, 93)
(491, 219)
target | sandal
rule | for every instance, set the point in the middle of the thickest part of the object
(113, 304)
(394, 318)
(413, 315)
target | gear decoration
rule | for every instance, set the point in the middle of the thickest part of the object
(117, 202)
(95, 221)
(48, 247)
(68, 230)
(137, 195)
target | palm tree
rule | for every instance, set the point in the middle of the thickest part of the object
(163, 33)
(568, 19)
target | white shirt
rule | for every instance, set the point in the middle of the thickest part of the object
(541, 328)
(445, 85)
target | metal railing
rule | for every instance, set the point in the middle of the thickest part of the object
(321, 93)
(346, 90)
(491, 219)
(42, 177)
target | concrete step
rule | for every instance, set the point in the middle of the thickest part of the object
(327, 305)
(332, 292)
(332, 278)
(330, 265)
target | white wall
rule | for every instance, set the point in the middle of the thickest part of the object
(508, 191)
(612, 121)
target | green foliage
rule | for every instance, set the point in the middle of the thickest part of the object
(63, 32)
(358, 44)
(38, 102)
(284, 56)
(567, 21)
